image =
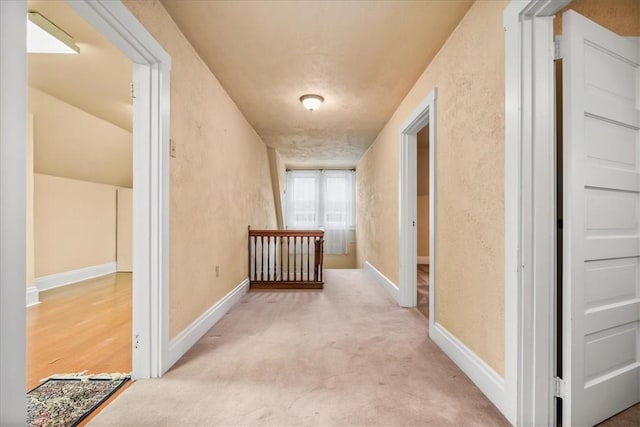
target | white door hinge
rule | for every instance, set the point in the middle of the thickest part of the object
(556, 49)
(559, 387)
(133, 96)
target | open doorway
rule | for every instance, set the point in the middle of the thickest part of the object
(79, 204)
(589, 274)
(422, 221)
(150, 352)
(421, 122)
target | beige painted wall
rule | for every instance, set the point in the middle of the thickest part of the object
(469, 74)
(423, 192)
(30, 269)
(74, 224)
(124, 232)
(620, 16)
(72, 143)
(282, 185)
(422, 162)
(275, 166)
(220, 180)
(340, 261)
(423, 226)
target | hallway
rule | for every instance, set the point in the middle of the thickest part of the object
(347, 355)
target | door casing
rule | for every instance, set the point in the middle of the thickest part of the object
(423, 115)
(151, 70)
(151, 192)
(530, 209)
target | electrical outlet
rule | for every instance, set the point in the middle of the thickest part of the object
(217, 271)
(172, 147)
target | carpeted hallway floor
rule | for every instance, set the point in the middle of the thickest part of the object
(345, 356)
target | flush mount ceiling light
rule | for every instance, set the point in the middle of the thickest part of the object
(43, 36)
(311, 102)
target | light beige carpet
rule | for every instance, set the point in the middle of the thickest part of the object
(347, 355)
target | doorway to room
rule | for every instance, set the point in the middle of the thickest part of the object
(79, 203)
(422, 221)
(151, 79)
(418, 223)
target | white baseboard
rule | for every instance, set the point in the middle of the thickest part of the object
(68, 277)
(387, 284)
(423, 259)
(196, 330)
(33, 296)
(482, 375)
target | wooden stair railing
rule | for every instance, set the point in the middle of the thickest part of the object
(286, 259)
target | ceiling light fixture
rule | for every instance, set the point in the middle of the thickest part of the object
(311, 102)
(43, 36)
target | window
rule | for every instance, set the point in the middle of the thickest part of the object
(304, 202)
(325, 200)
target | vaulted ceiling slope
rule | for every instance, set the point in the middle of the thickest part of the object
(361, 56)
(98, 80)
(81, 104)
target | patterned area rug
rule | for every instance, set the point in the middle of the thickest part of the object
(67, 401)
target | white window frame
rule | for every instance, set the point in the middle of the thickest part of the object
(318, 174)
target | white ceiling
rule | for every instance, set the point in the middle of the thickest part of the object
(361, 56)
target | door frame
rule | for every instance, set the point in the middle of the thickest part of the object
(530, 227)
(151, 191)
(423, 115)
(13, 124)
(152, 65)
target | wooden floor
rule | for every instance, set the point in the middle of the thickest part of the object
(423, 289)
(84, 326)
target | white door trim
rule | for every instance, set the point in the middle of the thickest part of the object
(529, 209)
(151, 211)
(13, 172)
(424, 114)
(150, 179)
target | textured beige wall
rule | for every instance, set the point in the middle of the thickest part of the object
(275, 166)
(282, 185)
(347, 260)
(74, 224)
(72, 143)
(220, 180)
(423, 226)
(422, 161)
(124, 232)
(469, 75)
(30, 269)
(423, 192)
(620, 16)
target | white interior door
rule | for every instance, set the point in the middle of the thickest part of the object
(601, 341)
